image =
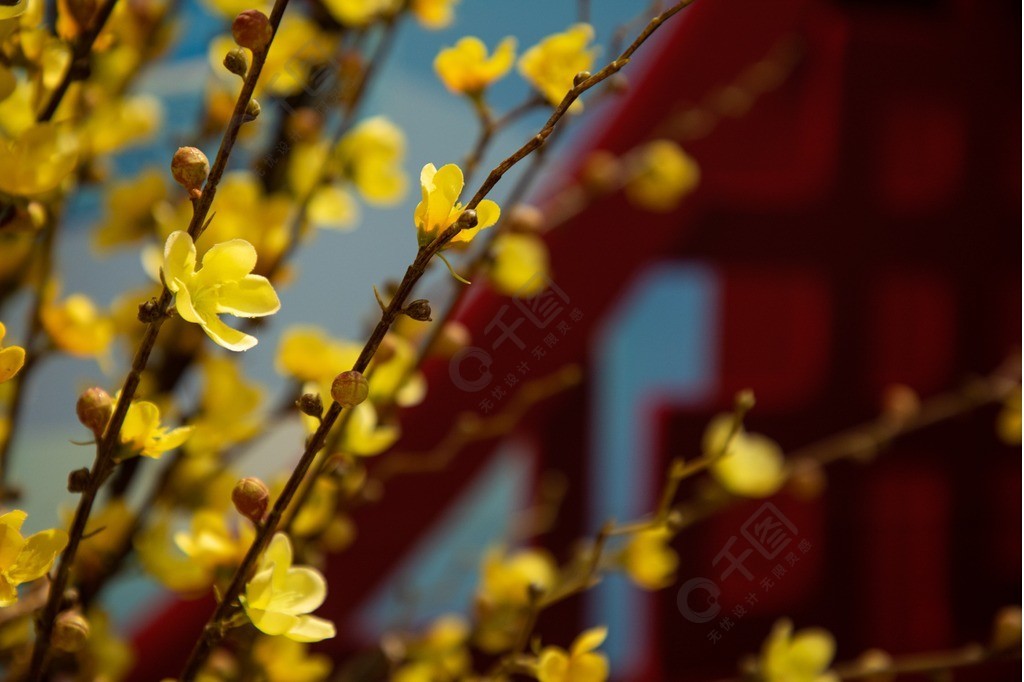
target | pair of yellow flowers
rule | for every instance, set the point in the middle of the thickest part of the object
(549, 66)
(223, 281)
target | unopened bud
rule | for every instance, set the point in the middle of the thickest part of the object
(454, 337)
(467, 219)
(876, 663)
(252, 29)
(525, 218)
(745, 400)
(190, 168)
(601, 172)
(807, 481)
(311, 404)
(418, 310)
(1006, 629)
(304, 125)
(252, 111)
(70, 631)
(579, 78)
(236, 62)
(149, 311)
(78, 480)
(900, 402)
(350, 389)
(251, 498)
(94, 408)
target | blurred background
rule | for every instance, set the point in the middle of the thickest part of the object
(856, 226)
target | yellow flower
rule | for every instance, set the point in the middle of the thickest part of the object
(222, 284)
(434, 13)
(753, 465)
(467, 69)
(440, 654)
(394, 379)
(520, 265)
(210, 543)
(229, 9)
(285, 660)
(506, 579)
(172, 569)
(143, 435)
(120, 122)
(109, 657)
(579, 664)
(24, 559)
(649, 560)
(440, 205)
(310, 354)
(332, 207)
(366, 435)
(551, 65)
(12, 358)
(131, 209)
(229, 411)
(14, 9)
(803, 657)
(38, 160)
(370, 155)
(76, 326)
(279, 597)
(661, 174)
(1008, 424)
(357, 12)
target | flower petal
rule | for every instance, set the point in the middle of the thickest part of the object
(226, 262)
(303, 591)
(11, 541)
(179, 259)
(225, 336)
(311, 629)
(553, 665)
(589, 640)
(487, 213)
(11, 360)
(250, 296)
(37, 555)
(589, 667)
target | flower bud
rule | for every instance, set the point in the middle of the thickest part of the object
(70, 631)
(94, 408)
(454, 337)
(252, 29)
(807, 480)
(876, 663)
(236, 62)
(251, 498)
(579, 78)
(311, 404)
(350, 389)
(149, 311)
(601, 172)
(900, 402)
(78, 480)
(745, 400)
(525, 218)
(467, 219)
(252, 111)
(304, 125)
(418, 310)
(190, 168)
(1006, 629)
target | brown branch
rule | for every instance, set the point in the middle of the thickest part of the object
(214, 629)
(104, 462)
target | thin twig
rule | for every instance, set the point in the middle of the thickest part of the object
(104, 461)
(214, 629)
